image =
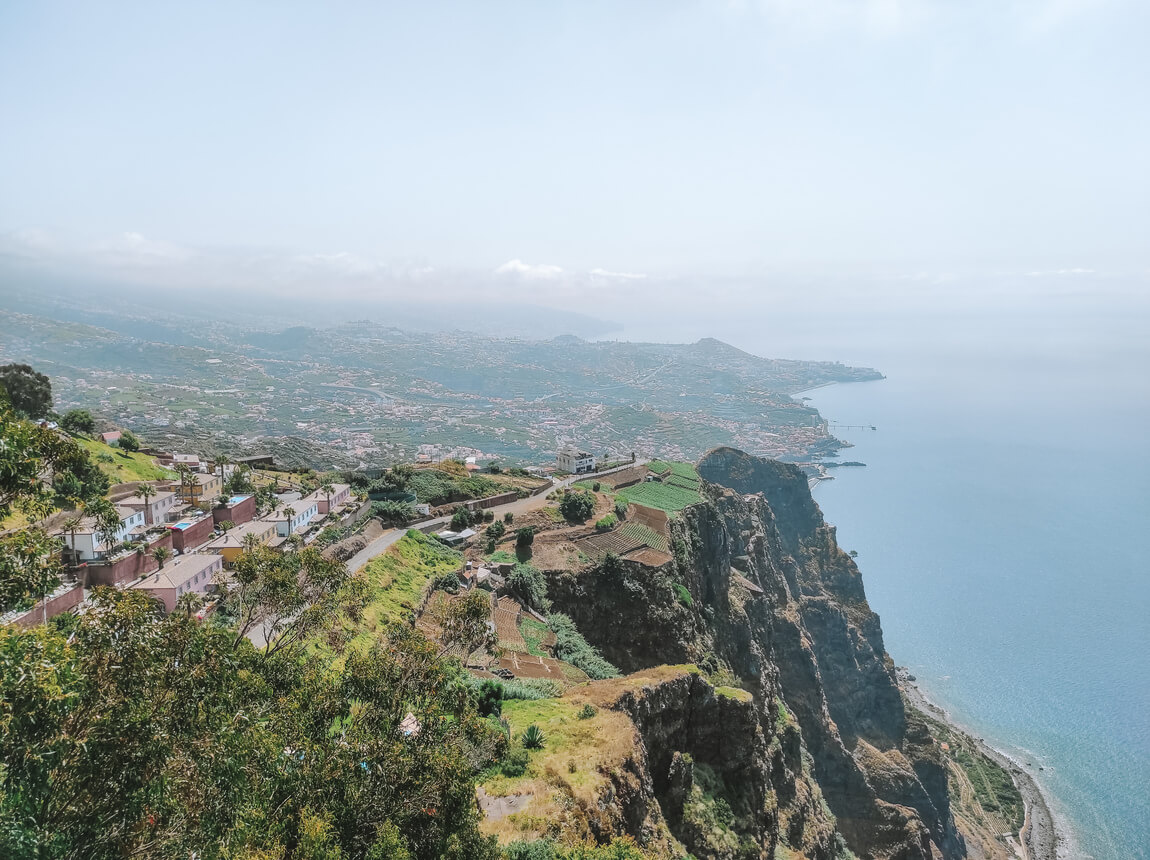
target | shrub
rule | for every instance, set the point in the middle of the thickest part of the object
(488, 516)
(607, 523)
(529, 585)
(573, 648)
(684, 595)
(489, 699)
(514, 763)
(577, 505)
(461, 519)
(621, 509)
(448, 582)
(525, 536)
(495, 531)
(533, 738)
(509, 517)
(587, 711)
(595, 486)
(539, 849)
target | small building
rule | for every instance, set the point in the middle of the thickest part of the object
(203, 488)
(112, 437)
(155, 509)
(188, 574)
(238, 509)
(231, 544)
(339, 494)
(575, 461)
(303, 512)
(187, 534)
(88, 544)
(456, 538)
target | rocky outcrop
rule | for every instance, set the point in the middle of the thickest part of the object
(775, 605)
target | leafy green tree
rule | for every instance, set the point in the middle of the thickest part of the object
(78, 421)
(464, 625)
(128, 441)
(29, 392)
(495, 530)
(524, 537)
(577, 505)
(489, 699)
(529, 585)
(461, 519)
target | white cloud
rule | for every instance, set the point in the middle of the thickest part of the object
(539, 272)
(617, 276)
(133, 249)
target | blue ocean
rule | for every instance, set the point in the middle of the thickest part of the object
(1001, 523)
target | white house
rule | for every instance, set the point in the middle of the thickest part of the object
(575, 461)
(87, 541)
(306, 510)
(188, 574)
(155, 509)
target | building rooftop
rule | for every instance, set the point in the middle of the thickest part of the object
(179, 570)
(139, 500)
(234, 538)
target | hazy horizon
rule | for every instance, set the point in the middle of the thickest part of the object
(583, 157)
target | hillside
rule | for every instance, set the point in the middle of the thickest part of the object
(123, 466)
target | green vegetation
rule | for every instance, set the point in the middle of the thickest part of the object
(533, 738)
(571, 647)
(678, 490)
(640, 534)
(435, 487)
(576, 506)
(394, 583)
(125, 466)
(683, 595)
(27, 391)
(501, 556)
(620, 848)
(78, 421)
(605, 524)
(529, 585)
(533, 632)
(587, 711)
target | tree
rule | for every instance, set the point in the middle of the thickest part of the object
(147, 492)
(577, 505)
(530, 585)
(128, 441)
(161, 554)
(495, 531)
(29, 392)
(464, 625)
(524, 537)
(461, 519)
(489, 699)
(327, 489)
(226, 526)
(78, 421)
(108, 522)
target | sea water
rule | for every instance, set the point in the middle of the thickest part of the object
(1001, 524)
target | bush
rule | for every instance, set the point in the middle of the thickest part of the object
(495, 530)
(621, 509)
(509, 518)
(587, 711)
(574, 649)
(525, 536)
(514, 763)
(489, 699)
(595, 486)
(533, 738)
(576, 506)
(684, 595)
(461, 519)
(448, 582)
(529, 585)
(607, 523)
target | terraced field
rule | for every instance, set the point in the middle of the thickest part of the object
(625, 539)
(664, 496)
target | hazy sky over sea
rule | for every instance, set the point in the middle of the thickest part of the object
(576, 153)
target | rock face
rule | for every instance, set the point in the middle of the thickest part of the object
(826, 731)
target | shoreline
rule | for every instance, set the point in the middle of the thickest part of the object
(1041, 835)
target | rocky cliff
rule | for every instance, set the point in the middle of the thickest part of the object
(821, 756)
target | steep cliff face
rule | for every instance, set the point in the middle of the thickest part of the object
(775, 603)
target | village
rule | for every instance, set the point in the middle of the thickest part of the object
(178, 538)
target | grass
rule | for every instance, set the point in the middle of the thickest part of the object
(572, 765)
(735, 693)
(125, 466)
(533, 633)
(395, 582)
(502, 556)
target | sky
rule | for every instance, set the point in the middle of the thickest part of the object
(575, 153)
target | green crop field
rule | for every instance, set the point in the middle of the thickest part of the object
(665, 497)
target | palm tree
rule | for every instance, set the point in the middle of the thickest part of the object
(70, 526)
(161, 554)
(327, 489)
(147, 493)
(187, 478)
(289, 512)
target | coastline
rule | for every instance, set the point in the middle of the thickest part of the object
(1041, 835)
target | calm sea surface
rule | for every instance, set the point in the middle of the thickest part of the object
(1001, 524)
